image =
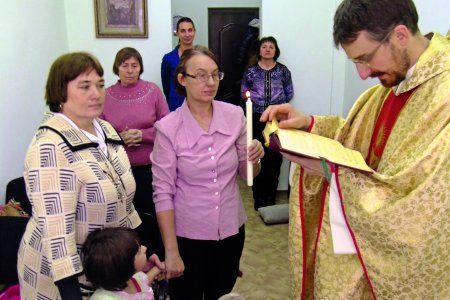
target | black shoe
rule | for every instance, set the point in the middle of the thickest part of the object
(258, 201)
(160, 289)
(266, 201)
(270, 200)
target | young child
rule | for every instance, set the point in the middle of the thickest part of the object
(114, 261)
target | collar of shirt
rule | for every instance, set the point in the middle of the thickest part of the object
(100, 140)
(193, 129)
(399, 88)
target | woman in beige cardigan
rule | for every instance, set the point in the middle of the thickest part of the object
(78, 178)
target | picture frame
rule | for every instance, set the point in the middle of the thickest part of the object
(121, 18)
(174, 23)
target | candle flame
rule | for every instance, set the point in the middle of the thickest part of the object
(247, 94)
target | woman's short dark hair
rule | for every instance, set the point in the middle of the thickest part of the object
(125, 54)
(185, 19)
(376, 17)
(108, 257)
(268, 39)
(185, 57)
(64, 69)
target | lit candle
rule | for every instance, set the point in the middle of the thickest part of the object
(249, 112)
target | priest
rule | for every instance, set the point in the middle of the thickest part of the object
(381, 234)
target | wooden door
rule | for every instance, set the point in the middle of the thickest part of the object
(227, 28)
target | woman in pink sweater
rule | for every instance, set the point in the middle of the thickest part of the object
(132, 106)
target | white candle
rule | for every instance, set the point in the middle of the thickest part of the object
(249, 112)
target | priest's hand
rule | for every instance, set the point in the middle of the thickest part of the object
(310, 165)
(287, 116)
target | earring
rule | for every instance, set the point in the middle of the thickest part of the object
(60, 106)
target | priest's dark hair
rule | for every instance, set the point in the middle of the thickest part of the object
(377, 17)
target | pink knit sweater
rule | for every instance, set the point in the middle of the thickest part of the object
(137, 106)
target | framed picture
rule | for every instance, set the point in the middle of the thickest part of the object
(174, 23)
(121, 18)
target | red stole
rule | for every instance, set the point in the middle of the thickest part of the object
(386, 120)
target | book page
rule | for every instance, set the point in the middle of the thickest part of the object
(308, 143)
(316, 146)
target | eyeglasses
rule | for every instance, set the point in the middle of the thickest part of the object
(371, 55)
(204, 77)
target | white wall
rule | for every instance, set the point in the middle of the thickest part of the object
(434, 15)
(34, 33)
(304, 37)
(303, 33)
(82, 37)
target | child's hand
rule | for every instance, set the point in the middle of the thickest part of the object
(152, 261)
(160, 276)
(154, 274)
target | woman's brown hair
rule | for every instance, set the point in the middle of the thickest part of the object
(185, 57)
(123, 55)
(64, 69)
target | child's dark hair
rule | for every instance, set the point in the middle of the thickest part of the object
(108, 257)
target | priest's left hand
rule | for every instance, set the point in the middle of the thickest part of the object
(310, 165)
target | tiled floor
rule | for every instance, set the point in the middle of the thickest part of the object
(264, 262)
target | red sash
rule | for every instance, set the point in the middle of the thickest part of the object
(385, 122)
(136, 285)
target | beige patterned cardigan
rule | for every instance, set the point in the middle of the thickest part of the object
(399, 215)
(74, 188)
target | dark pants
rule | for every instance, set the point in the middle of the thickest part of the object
(266, 183)
(211, 267)
(143, 203)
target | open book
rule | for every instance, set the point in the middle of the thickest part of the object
(311, 145)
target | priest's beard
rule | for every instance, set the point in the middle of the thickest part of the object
(397, 74)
